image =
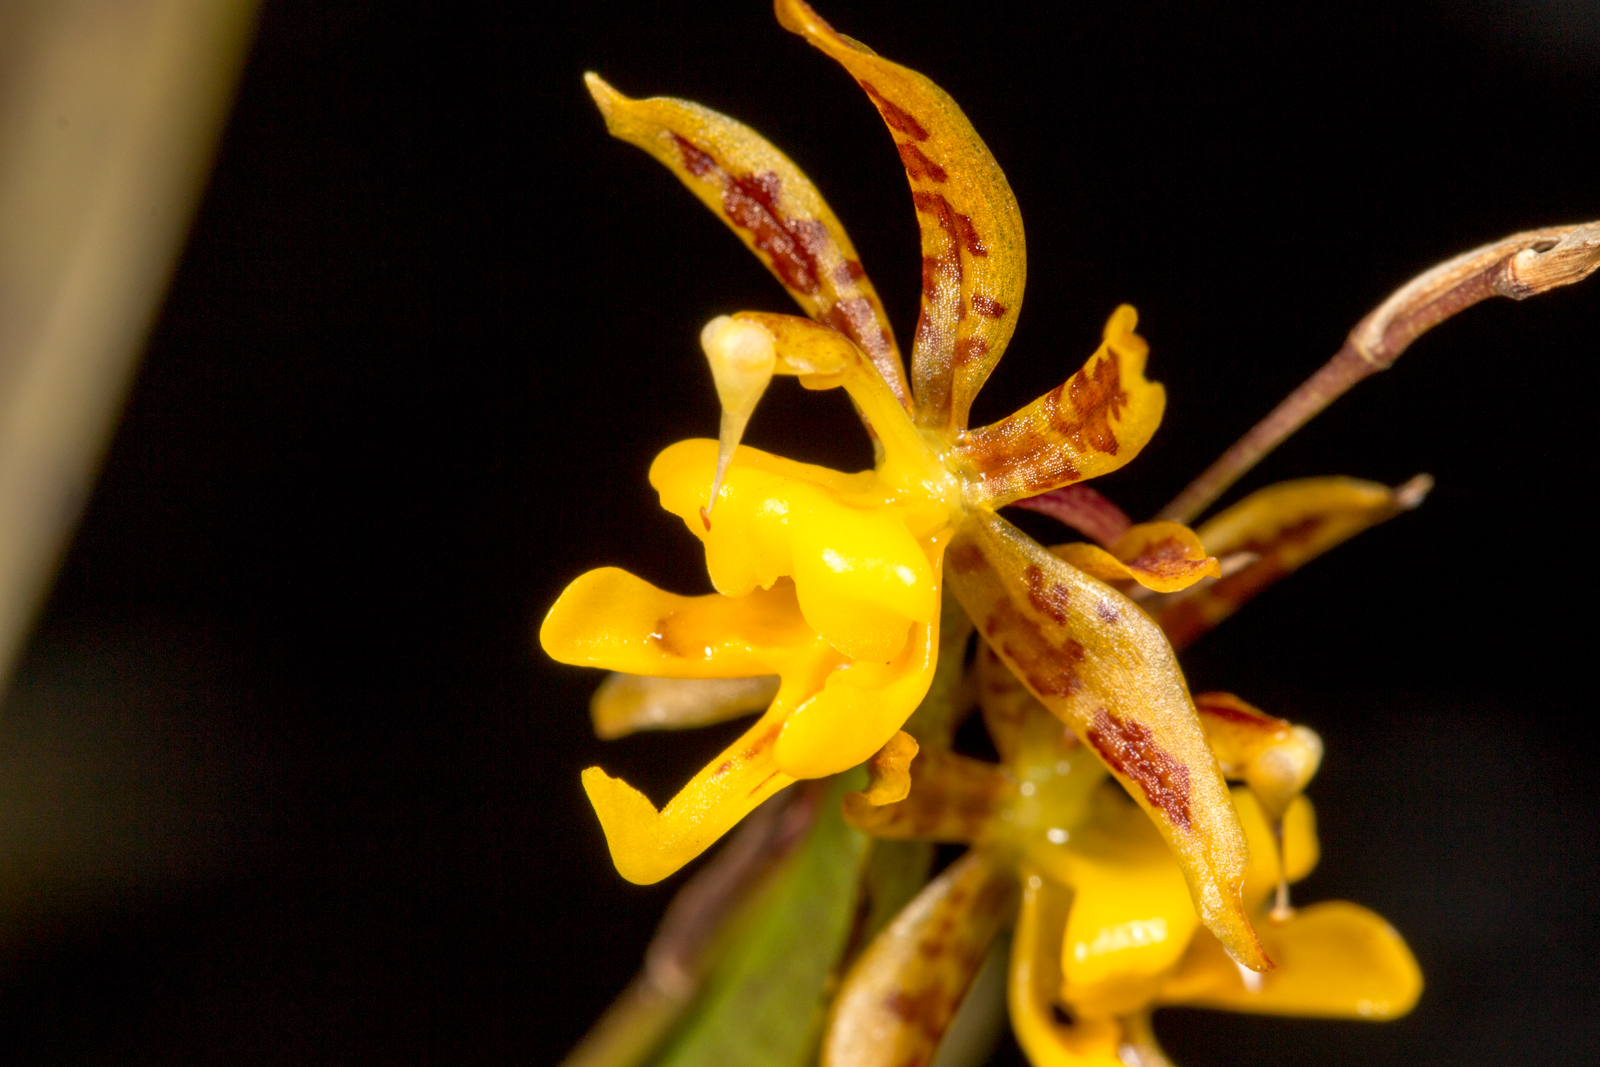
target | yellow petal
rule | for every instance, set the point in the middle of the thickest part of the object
(609, 618)
(973, 258)
(1091, 424)
(1335, 959)
(628, 702)
(890, 771)
(648, 845)
(860, 707)
(1285, 526)
(1047, 1036)
(860, 575)
(1102, 667)
(901, 994)
(770, 204)
(952, 798)
(1275, 758)
(823, 358)
(1163, 556)
(1301, 851)
(1131, 916)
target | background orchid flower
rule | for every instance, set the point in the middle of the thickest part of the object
(1105, 931)
(832, 582)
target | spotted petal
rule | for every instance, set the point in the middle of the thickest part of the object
(772, 206)
(973, 260)
(1163, 556)
(1283, 526)
(1102, 667)
(897, 1000)
(1090, 425)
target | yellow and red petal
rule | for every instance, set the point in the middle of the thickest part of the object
(952, 798)
(1335, 960)
(1091, 424)
(628, 702)
(1161, 556)
(973, 257)
(1273, 756)
(1284, 526)
(648, 845)
(895, 1003)
(1102, 667)
(772, 206)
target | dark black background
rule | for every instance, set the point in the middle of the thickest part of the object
(432, 324)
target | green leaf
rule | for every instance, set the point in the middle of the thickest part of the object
(765, 1001)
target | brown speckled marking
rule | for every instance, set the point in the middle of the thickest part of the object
(1047, 597)
(989, 309)
(1107, 613)
(793, 248)
(1230, 712)
(898, 118)
(956, 226)
(762, 784)
(970, 350)
(918, 166)
(1130, 749)
(1097, 397)
(964, 558)
(722, 768)
(1048, 670)
(753, 749)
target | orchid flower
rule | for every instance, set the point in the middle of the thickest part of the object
(833, 581)
(1104, 929)
(832, 617)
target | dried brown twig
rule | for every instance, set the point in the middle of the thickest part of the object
(1519, 266)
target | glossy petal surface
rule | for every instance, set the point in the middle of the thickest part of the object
(772, 206)
(973, 256)
(1089, 425)
(1102, 667)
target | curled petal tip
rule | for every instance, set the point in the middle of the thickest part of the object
(1413, 492)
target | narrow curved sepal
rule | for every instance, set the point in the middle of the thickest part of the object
(1089, 425)
(973, 256)
(1284, 526)
(1335, 960)
(772, 206)
(1103, 668)
(895, 1003)
(1161, 556)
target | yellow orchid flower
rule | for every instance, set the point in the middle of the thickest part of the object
(1104, 931)
(832, 581)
